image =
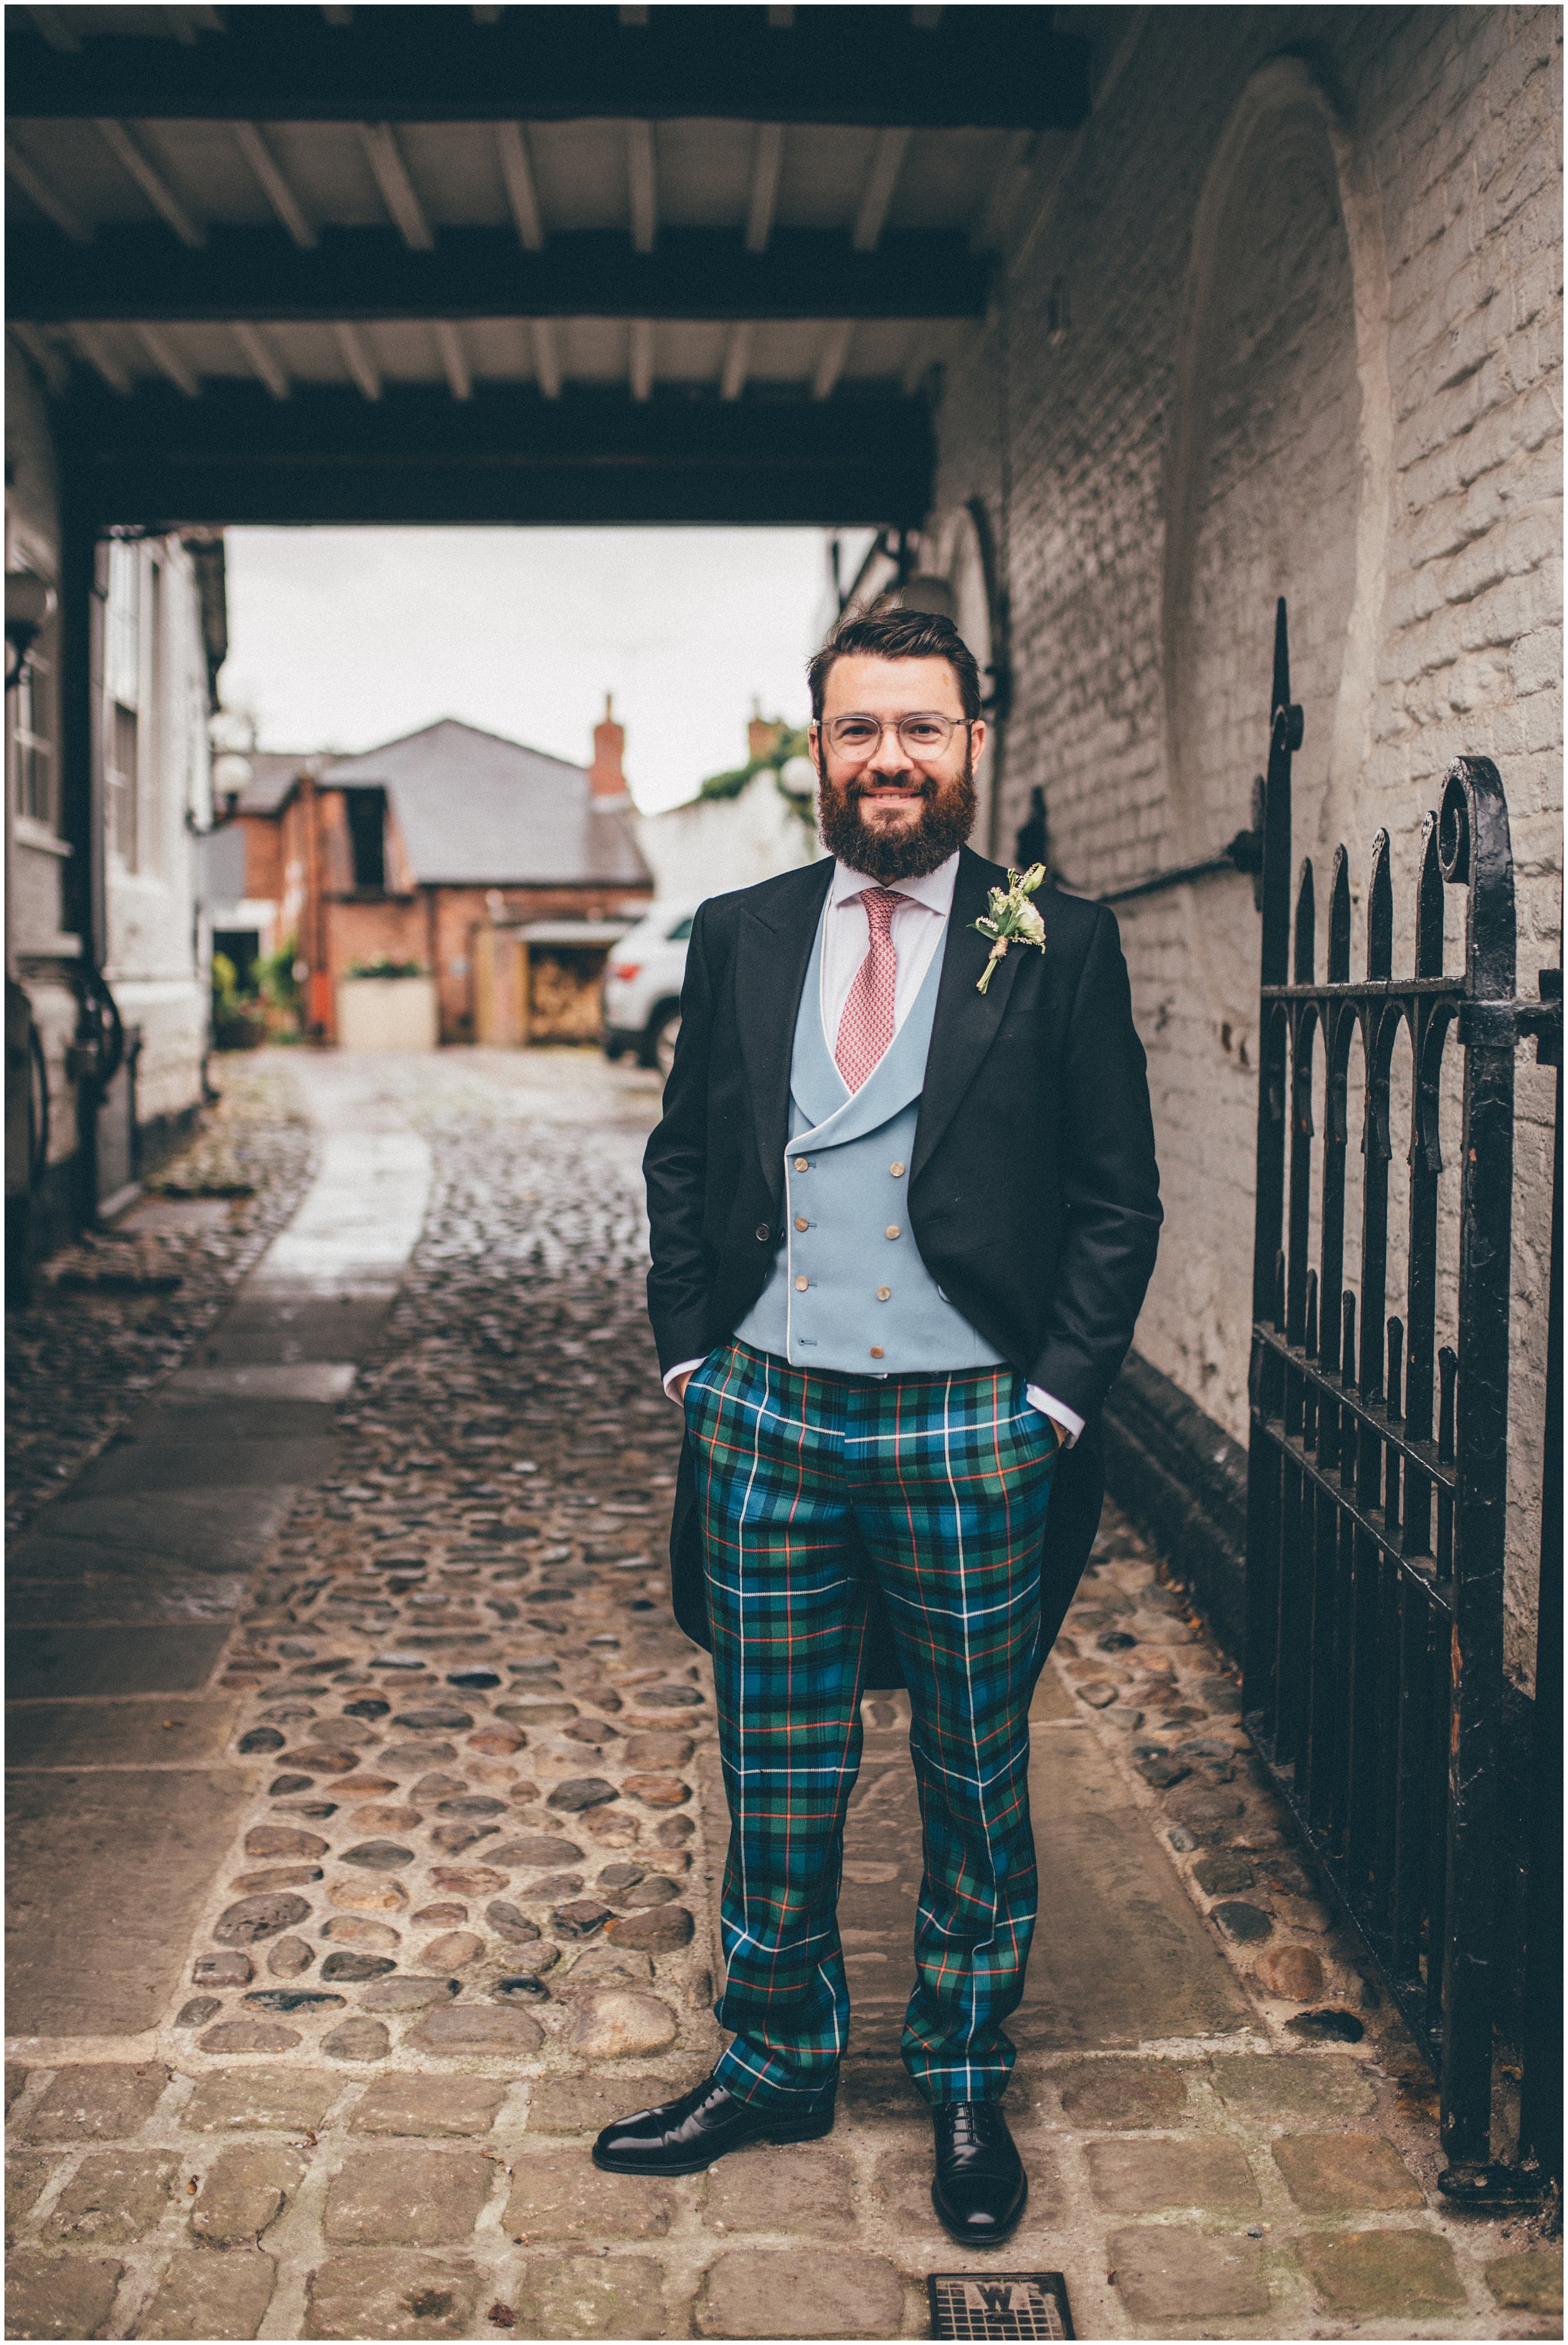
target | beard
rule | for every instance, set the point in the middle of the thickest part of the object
(884, 853)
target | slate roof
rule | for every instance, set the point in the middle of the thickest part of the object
(476, 809)
(272, 774)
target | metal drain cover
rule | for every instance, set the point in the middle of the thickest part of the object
(999, 2304)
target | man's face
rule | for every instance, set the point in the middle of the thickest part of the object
(900, 807)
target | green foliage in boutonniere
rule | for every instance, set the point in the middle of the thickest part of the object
(1012, 918)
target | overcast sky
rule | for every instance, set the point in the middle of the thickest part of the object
(343, 638)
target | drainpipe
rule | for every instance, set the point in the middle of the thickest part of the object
(318, 984)
(95, 1057)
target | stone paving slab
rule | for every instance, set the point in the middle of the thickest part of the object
(114, 1657)
(107, 1872)
(154, 1462)
(423, 1967)
(215, 1530)
(169, 1731)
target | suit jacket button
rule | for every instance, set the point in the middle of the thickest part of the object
(764, 1233)
(801, 1285)
(877, 1352)
(800, 1223)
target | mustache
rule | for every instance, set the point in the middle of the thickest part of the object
(865, 786)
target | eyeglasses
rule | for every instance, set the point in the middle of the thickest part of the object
(922, 737)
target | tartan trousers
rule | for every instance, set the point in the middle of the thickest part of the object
(939, 1485)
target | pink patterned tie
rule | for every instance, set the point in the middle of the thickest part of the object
(865, 1028)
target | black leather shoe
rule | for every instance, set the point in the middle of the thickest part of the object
(981, 2189)
(685, 2136)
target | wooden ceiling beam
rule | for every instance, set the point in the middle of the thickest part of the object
(42, 192)
(1003, 67)
(151, 458)
(395, 187)
(479, 273)
(522, 191)
(274, 184)
(454, 358)
(767, 165)
(262, 360)
(140, 168)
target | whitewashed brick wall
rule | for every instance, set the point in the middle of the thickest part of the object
(1311, 264)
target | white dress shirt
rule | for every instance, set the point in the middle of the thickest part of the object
(919, 927)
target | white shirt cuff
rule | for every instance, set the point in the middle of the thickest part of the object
(1070, 1423)
(685, 1369)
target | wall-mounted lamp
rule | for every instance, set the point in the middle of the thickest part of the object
(29, 605)
(232, 775)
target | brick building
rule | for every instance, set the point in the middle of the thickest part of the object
(1282, 317)
(403, 853)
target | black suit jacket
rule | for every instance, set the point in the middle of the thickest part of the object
(1034, 1196)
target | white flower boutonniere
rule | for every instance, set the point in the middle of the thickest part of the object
(1013, 920)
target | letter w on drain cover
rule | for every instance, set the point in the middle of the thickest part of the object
(999, 2304)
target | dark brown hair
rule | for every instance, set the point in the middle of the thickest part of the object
(897, 634)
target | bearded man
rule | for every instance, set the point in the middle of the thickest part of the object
(902, 1227)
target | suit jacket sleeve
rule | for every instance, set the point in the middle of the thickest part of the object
(1110, 1185)
(674, 1166)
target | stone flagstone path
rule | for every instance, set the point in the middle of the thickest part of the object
(365, 1832)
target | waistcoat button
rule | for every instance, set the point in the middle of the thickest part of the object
(897, 1170)
(801, 1285)
(884, 1294)
(892, 1230)
(800, 1223)
(877, 1352)
(801, 1165)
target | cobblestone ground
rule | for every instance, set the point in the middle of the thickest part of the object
(468, 1910)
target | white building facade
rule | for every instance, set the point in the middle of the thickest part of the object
(106, 961)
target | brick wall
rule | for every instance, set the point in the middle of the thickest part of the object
(459, 911)
(1283, 318)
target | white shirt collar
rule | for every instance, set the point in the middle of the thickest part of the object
(935, 890)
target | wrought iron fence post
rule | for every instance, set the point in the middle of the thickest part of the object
(1284, 738)
(1473, 846)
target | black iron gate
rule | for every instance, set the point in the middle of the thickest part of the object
(1378, 1472)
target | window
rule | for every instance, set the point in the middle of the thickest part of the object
(367, 812)
(123, 645)
(33, 734)
(120, 766)
(123, 693)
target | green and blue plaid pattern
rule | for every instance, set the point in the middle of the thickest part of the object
(938, 1485)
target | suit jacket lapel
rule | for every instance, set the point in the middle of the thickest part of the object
(774, 949)
(966, 1019)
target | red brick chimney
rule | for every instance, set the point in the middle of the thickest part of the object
(606, 776)
(763, 735)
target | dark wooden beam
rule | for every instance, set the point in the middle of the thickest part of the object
(1001, 68)
(158, 460)
(257, 273)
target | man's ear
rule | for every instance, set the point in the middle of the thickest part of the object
(813, 743)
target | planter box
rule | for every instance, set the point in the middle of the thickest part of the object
(387, 1013)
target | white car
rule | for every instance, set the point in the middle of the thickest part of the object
(642, 987)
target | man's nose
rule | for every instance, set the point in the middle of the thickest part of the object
(890, 760)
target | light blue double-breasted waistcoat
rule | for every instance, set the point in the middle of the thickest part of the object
(848, 1289)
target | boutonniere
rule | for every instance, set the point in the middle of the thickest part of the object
(1012, 918)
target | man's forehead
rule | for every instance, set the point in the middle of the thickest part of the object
(862, 681)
